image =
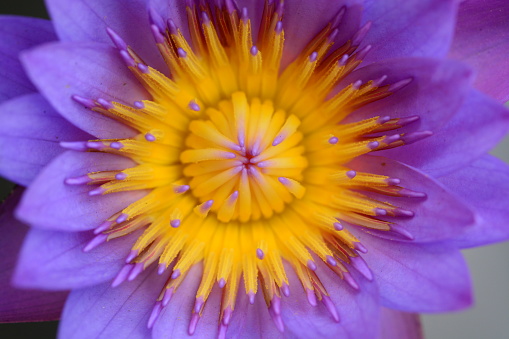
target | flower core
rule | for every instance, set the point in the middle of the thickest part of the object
(245, 164)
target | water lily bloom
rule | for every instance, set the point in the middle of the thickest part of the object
(306, 169)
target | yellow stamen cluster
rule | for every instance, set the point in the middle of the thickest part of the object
(245, 166)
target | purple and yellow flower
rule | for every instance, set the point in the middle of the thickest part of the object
(253, 168)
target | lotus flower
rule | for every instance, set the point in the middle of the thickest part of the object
(306, 169)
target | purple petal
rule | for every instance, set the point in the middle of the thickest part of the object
(29, 137)
(120, 312)
(49, 203)
(16, 35)
(481, 40)
(90, 70)
(484, 184)
(86, 20)
(174, 319)
(410, 28)
(358, 310)
(16, 305)
(477, 127)
(304, 19)
(396, 324)
(54, 260)
(418, 277)
(439, 216)
(436, 92)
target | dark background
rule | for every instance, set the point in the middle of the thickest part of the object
(42, 330)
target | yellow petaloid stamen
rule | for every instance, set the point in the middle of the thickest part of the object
(243, 167)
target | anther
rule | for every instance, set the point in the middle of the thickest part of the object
(393, 181)
(401, 231)
(181, 188)
(285, 289)
(356, 85)
(363, 52)
(399, 85)
(373, 145)
(311, 296)
(205, 18)
(122, 217)
(311, 265)
(410, 138)
(259, 253)
(221, 283)
(405, 192)
(351, 174)
(98, 145)
(128, 59)
(121, 176)
(79, 146)
(97, 191)
(96, 241)
(139, 105)
(313, 57)
(338, 226)
(161, 268)
(279, 27)
(251, 297)
(392, 138)
(331, 261)
(175, 223)
(350, 280)
(361, 33)
(116, 39)
(244, 15)
(194, 106)
(360, 265)
(158, 307)
(122, 275)
(333, 140)
(88, 103)
(253, 50)
(81, 180)
(137, 269)
(133, 254)
(330, 307)
(116, 145)
(379, 82)
(360, 247)
(379, 211)
(172, 27)
(343, 60)
(158, 36)
(181, 53)
(399, 212)
(103, 227)
(150, 137)
(175, 274)
(143, 68)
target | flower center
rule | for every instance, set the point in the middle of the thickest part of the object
(235, 158)
(247, 167)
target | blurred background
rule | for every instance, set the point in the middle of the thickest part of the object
(489, 318)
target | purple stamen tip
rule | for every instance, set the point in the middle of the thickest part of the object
(105, 103)
(379, 82)
(313, 57)
(139, 105)
(350, 280)
(357, 84)
(97, 191)
(81, 180)
(331, 261)
(338, 226)
(311, 265)
(138, 268)
(311, 297)
(167, 296)
(96, 241)
(120, 176)
(150, 137)
(244, 14)
(359, 36)
(205, 18)
(380, 211)
(410, 138)
(402, 231)
(175, 223)
(259, 253)
(194, 106)
(399, 212)
(122, 217)
(331, 308)
(198, 304)
(158, 36)
(251, 296)
(143, 68)
(411, 194)
(399, 85)
(161, 268)
(175, 274)
(279, 27)
(95, 145)
(393, 181)
(392, 138)
(277, 140)
(193, 323)
(172, 27)
(227, 316)
(181, 52)
(79, 146)
(155, 314)
(88, 103)
(128, 59)
(333, 140)
(351, 174)
(133, 254)
(363, 52)
(343, 60)
(360, 247)
(285, 289)
(333, 35)
(373, 144)
(208, 204)
(122, 275)
(383, 120)
(116, 39)
(284, 180)
(182, 188)
(221, 283)
(103, 227)
(254, 50)
(116, 145)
